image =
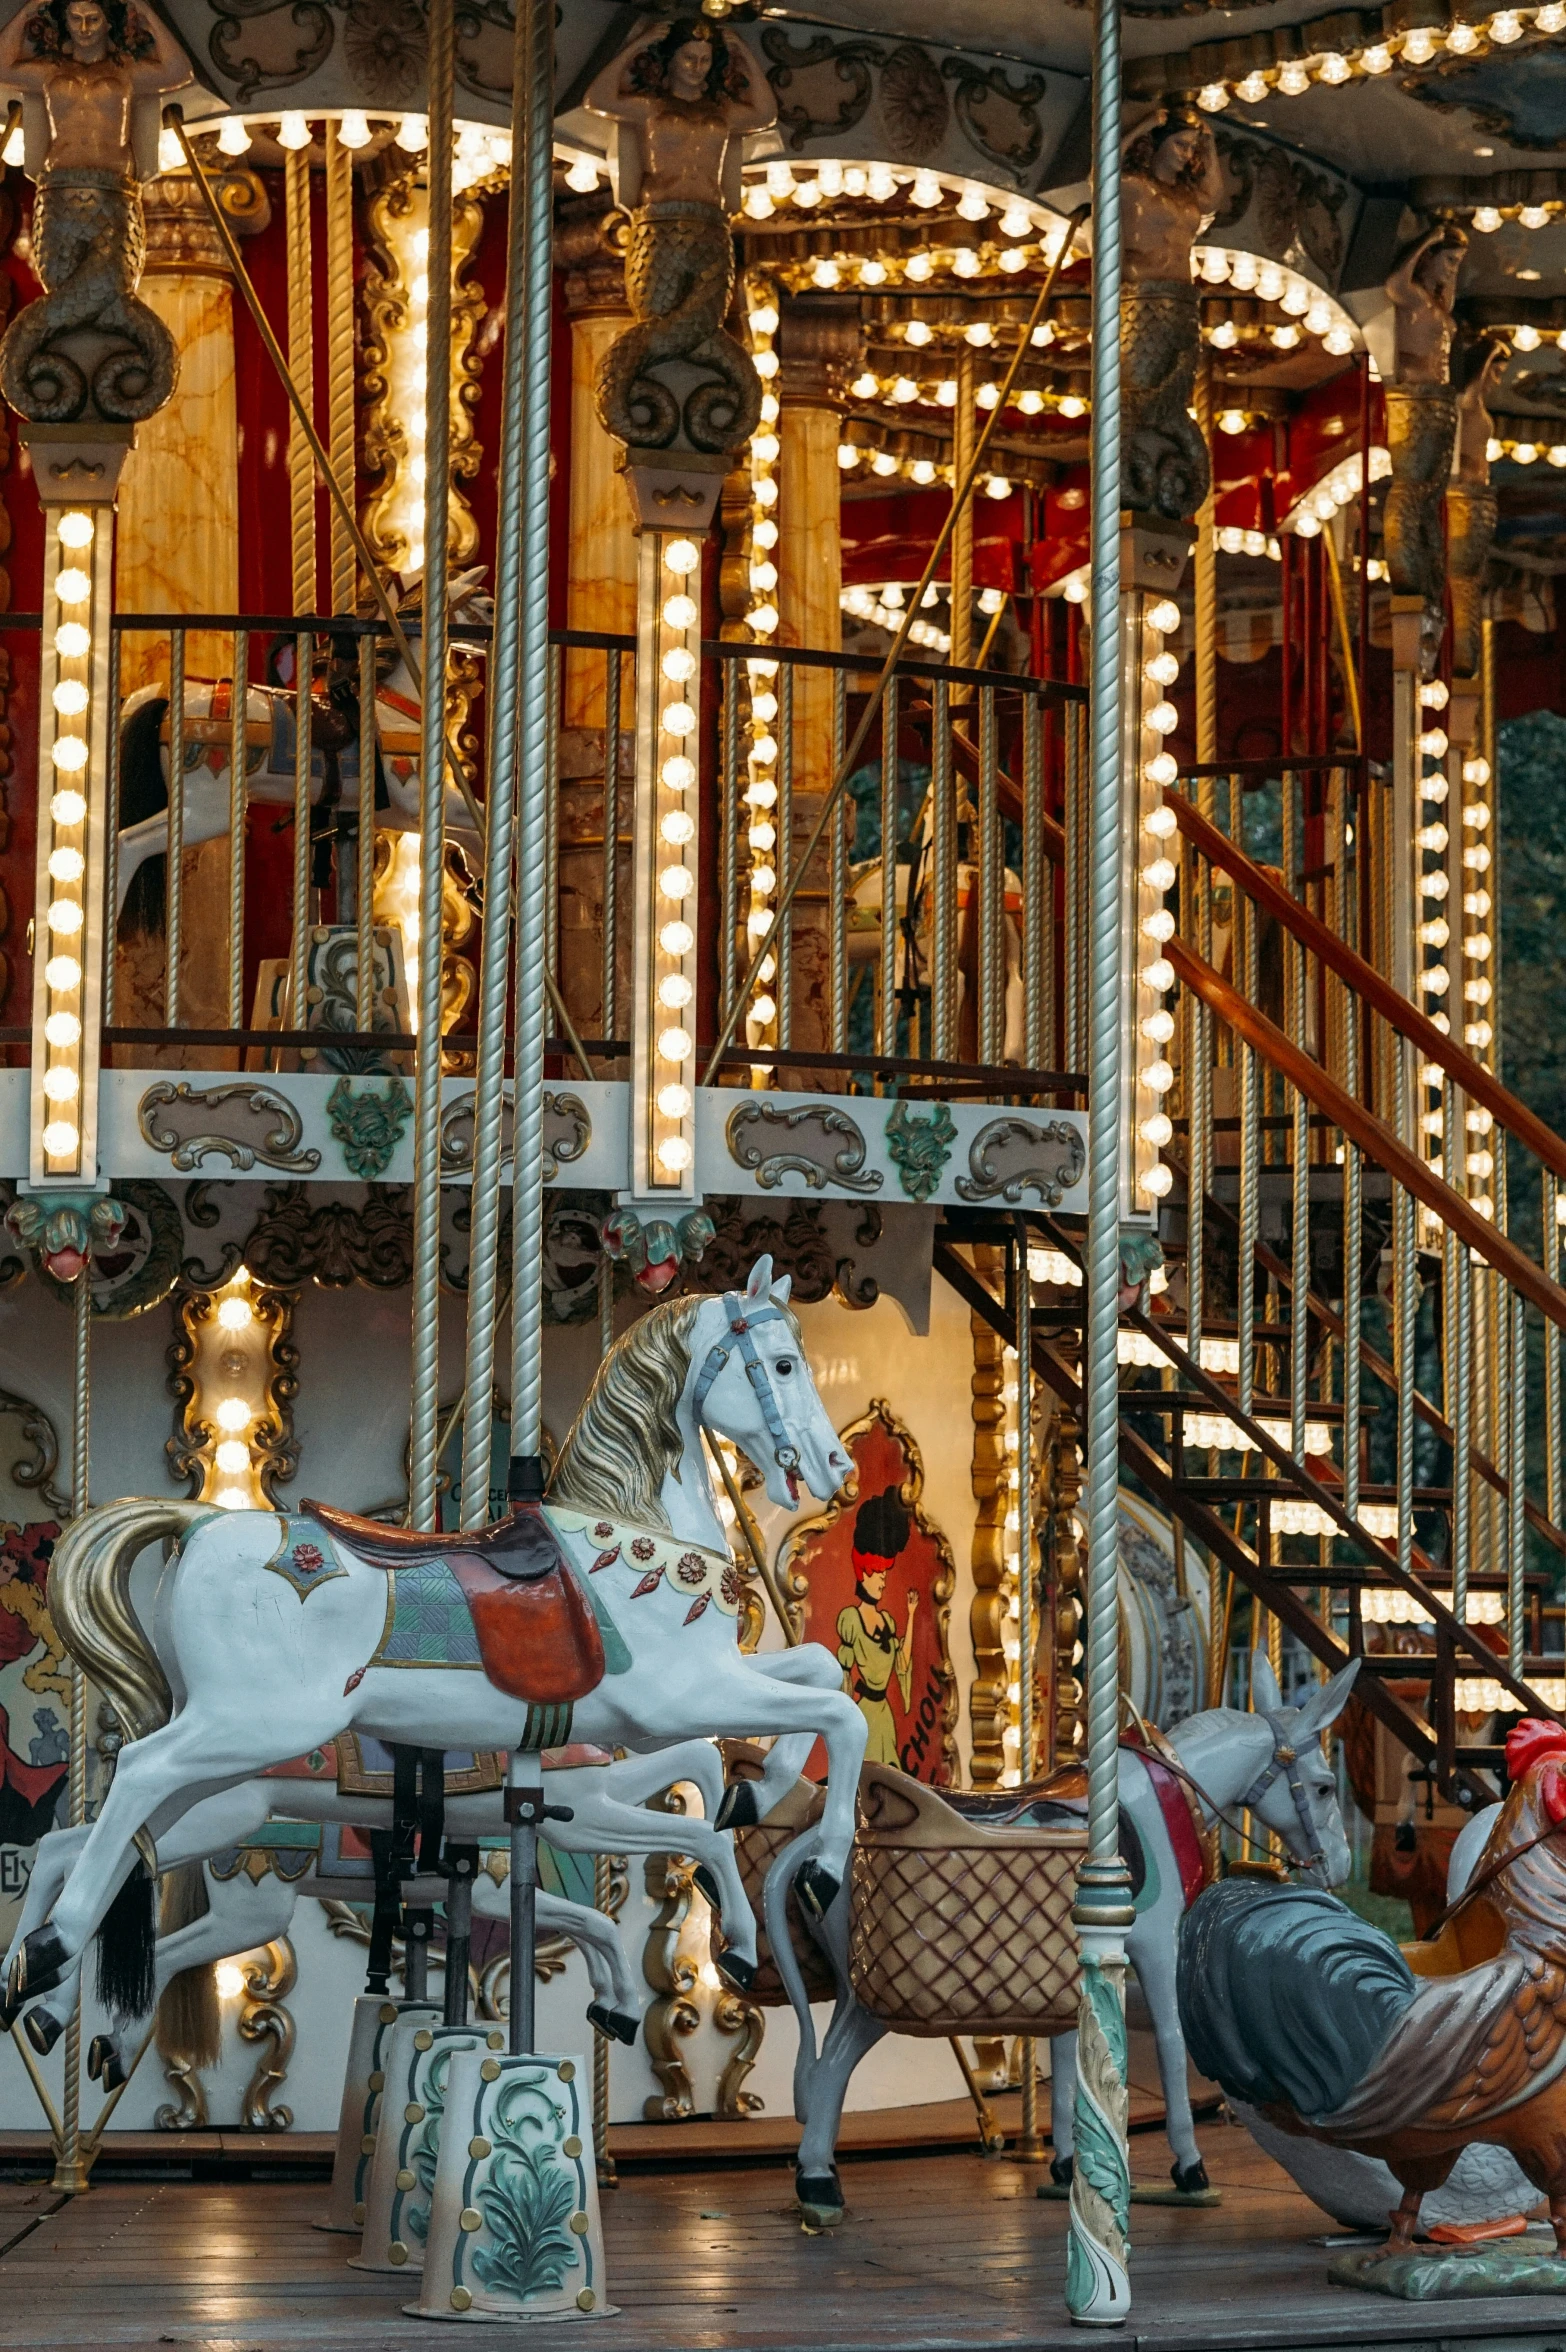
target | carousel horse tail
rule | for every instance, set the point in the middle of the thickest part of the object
(190, 2019)
(143, 792)
(1287, 1998)
(89, 1599)
(127, 1947)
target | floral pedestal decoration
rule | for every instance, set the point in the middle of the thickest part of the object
(515, 2230)
(419, 2056)
(373, 2019)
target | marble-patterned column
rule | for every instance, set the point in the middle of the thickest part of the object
(600, 595)
(177, 550)
(819, 343)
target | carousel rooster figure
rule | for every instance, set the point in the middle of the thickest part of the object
(1306, 2012)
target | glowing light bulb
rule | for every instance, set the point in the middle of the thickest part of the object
(64, 915)
(674, 1045)
(674, 1153)
(1158, 1077)
(235, 1314)
(1156, 1182)
(66, 865)
(353, 130)
(294, 132)
(413, 134)
(233, 1414)
(678, 719)
(61, 1086)
(70, 698)
(233, 1456)
(582, 178)
(682, 557)
(63, 973)
(72, 585)
(60, 1138)
(676, 882)
(679, 826)
(679, 773)
(62, 1029)
(75, 529)
(69, 752)
(679, 663)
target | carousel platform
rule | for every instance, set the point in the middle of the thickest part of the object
(942, 2252)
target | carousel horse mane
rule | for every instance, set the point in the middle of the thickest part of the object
(626, 1439)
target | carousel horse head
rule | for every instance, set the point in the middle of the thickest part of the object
(732, 1363)
(1296, 1791)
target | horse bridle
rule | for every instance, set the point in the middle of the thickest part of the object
(1285, 1764)
(743, 1320)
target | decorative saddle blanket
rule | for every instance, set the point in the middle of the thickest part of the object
(529, 1624)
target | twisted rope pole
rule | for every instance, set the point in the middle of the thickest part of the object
(1098, 2287)
(425, 1397)
(532, 151)
(301, 369)
(339, 354)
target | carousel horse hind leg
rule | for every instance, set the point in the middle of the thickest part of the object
(1151, 1946)
(1062, 2108)
(53, 1862)
(603, 1823)
(613, 2008)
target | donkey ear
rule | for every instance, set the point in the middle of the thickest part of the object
(760, 1281)
(1327, 1703)
(1264, 1684)
(781, 1289)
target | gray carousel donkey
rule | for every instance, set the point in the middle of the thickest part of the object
(957, 1914)
(686, 93)
(1172, 186)
(88, 349)
(607, 1614)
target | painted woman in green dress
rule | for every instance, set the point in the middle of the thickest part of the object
(868, 1643)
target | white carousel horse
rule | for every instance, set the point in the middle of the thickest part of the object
(1269, 1762)
(607, 1804)
(267, 1647)
(270, 716)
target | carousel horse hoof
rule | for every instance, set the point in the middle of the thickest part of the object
(1060, 2170)
(706, 1881)
(103, 2063)
(741, 1974)
(1190, 2179)
(819, 2196)
(738, 1809)
(613, 2023)
(817, 1889)
(38, 1967)
(42, 2030)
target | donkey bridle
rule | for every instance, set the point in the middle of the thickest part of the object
(743, 1320)
(1285, 1764)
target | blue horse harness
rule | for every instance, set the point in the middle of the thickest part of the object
(741, 1326)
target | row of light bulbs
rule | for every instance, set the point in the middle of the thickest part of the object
(1014, 1768)
(1153, 1023)
(65, 912)
(885, 611)
(1298, 297)
(762, 618)
(679, 636)
(902, 391)
(1525, 453)
(776, 183)
(1333, 67)
(922, 471)
(233, 1418)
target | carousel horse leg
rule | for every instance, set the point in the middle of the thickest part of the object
(150, 1790)
(810, 1667)
(1151, 1946)
(56, 1857)
(604, 1824)
(613, 2008)
(852, 2033)
(242, 1914)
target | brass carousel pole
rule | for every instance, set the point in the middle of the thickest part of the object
(71, 2167)
(1098, 2286)
(1028, 2148)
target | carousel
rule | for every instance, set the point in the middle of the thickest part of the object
(782, 1163)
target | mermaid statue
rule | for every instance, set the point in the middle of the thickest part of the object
(681, 93)
(1421, 406)
(1172, 185)
(89, 61)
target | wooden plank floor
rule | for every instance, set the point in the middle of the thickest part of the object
(940, 2253)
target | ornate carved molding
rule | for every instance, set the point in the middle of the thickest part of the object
(369, 1126)
(263, 2018)
(1012, 1156)
(181, 240)
(297, 1240)
(242, 1123)
(389, 320)
(824, 1146)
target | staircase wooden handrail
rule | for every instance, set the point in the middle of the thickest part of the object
(1207, 1528)
(1478, 1083)
(1370, 1134)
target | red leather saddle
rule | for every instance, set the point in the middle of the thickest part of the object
(537, 1634)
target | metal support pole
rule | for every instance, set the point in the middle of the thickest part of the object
(71, 2166)
(1098, 2284)
(1028, 2148)
(532, 198)
(425, 1398)
(524, 1810)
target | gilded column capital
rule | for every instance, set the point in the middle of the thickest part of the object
(181, 240)
(819, 347)
(589, 253)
